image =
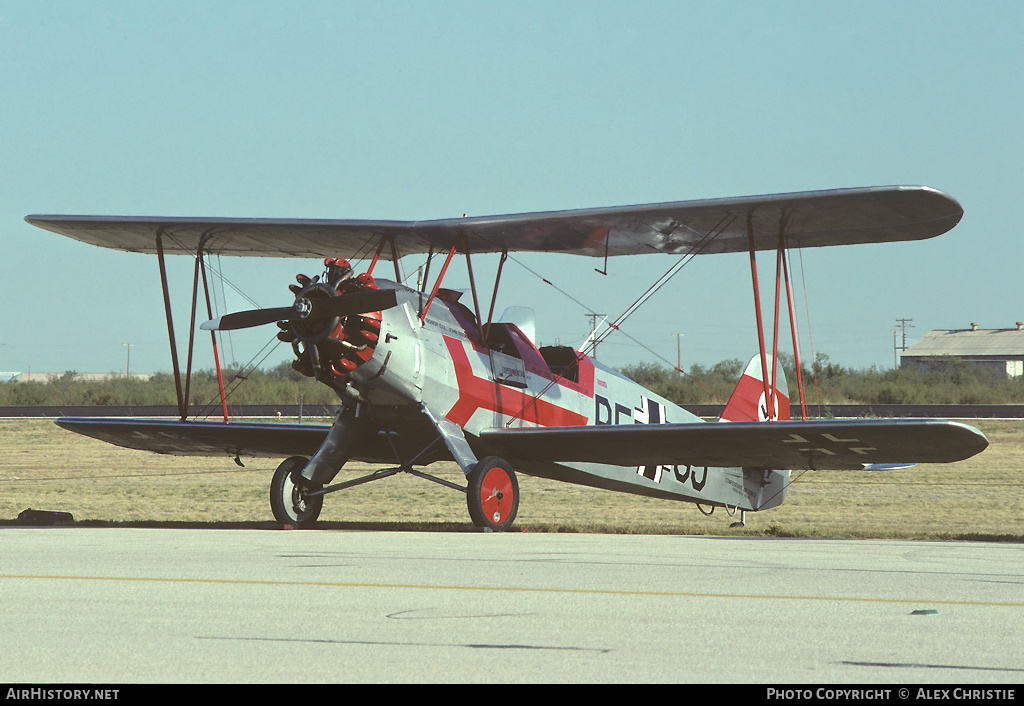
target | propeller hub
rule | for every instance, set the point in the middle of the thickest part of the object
(308, 318)
(303, 308)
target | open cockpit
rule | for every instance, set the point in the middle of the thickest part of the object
(513, 334)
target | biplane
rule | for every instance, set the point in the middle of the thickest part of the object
(425, 376)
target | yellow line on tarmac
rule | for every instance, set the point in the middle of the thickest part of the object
(519, 589)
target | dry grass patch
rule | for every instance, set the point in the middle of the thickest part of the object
(46, 468)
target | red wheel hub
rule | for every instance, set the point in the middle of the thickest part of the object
(496, 495)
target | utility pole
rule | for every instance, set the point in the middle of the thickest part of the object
(903, 325)
(128, 361)
(679, 353)
(593, 328)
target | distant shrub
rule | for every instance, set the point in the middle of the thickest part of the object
(953, 382)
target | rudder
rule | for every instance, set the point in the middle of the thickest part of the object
(748, 401)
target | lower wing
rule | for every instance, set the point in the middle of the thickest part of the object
(266, 439)
(196, 438)
(793, 445)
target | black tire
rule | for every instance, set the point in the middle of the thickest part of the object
(493, 494)
(287, 503)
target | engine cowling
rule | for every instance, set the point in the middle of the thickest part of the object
(337, 345)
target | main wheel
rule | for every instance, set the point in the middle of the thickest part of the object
(289, 505)
(493, 494)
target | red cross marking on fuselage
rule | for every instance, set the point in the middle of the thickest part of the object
(481, 393)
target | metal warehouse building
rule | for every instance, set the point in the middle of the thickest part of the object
(998, 349)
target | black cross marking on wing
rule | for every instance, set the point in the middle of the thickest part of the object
(828, 444)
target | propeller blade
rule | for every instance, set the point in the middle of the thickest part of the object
(360, 302)
(246, 319)
(354, 303)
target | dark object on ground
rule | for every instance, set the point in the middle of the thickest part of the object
(44, 518)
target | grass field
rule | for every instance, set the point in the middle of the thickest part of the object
(46, 468)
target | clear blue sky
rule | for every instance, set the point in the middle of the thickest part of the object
(416, 110)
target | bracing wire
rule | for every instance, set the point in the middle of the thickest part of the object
(810, 337)
(596, 338)
(268, 348)
(240, 376)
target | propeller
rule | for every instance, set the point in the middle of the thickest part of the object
(308, 309)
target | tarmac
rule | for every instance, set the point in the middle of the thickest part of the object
(192, 606)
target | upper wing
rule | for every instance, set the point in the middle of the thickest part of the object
(794, 445)
(809, 219)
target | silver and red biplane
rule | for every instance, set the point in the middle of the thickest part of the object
(425, 378)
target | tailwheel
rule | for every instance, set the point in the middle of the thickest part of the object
(287, 501)
(493, 494)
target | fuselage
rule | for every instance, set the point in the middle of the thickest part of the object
(481, 377)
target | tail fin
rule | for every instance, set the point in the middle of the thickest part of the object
(748, 402)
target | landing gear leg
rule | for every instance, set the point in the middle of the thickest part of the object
(290, 505)
(333, 452)
(493, 494)
(742, 522)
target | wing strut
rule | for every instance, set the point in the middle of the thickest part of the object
(192, 325)
(781, 275)
(472, 288)
(183, 395)
(792, 327)
(483, 330)
(213, 337)
(494, 294)
(440, 278)
(394, 256)
(182, 403)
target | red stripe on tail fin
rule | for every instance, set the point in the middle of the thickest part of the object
(748, 401)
